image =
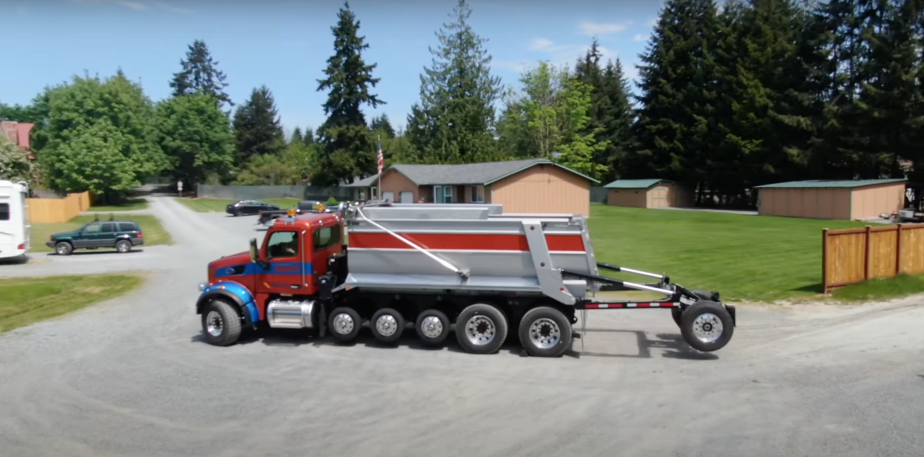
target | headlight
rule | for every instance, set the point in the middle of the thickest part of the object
(202, 286)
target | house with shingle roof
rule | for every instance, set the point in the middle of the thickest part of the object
(521, 186)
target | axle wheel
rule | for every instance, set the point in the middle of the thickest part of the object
(706, 326)
(221, 323)
(545, 332)
(344, 324)
(387, 325)
(432, 327)
(481, 329)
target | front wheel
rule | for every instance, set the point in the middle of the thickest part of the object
(706, 326)
(64, 248)
(221, 323)
(545, 332)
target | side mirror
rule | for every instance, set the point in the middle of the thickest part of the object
(254, 250)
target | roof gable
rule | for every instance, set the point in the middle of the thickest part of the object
(820, 183)
(482, 173)
(632, 183)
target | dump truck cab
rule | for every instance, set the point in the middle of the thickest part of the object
(277, 281)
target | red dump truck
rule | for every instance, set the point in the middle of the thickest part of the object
(468, 269)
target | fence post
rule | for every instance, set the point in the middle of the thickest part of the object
(898, 251)
(866, 260)
(824, 261)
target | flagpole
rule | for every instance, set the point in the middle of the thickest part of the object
(378, 139)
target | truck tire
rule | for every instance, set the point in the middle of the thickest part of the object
(432, 327)
(545, 332)
(706, 326)
(387, 325)
(64, 248)
(343, 324)
(481, 329)
(123, 246)
(221, 323)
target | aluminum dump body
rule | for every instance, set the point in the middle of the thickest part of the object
(472, 248)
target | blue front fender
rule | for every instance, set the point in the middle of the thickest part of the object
(236, 293)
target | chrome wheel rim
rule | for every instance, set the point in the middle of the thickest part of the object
(62, 249)
(431, 326)
(386, 325)
(214, 324)
(343, 324)
(480, 330)
(707, 327)
(123, 247)
(544, 333)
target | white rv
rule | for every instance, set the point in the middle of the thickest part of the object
(14, 219)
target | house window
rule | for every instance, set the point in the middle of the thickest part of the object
(477, 194)
(442, 194)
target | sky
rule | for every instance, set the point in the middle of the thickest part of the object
(285, 44)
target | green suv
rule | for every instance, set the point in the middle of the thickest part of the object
(121, 235)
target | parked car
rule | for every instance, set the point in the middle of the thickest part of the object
(121, 235)
(250, 207)
(269, 215)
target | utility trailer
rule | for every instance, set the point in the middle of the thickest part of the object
(437, 268)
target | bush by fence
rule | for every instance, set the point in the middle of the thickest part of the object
(267, 192)
(52, 210)
(855, 255)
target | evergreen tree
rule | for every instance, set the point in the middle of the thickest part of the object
(200, 74)
(297, 136)
(678, 92)
(348, 146)
(257, 127)
(455, 119)
(308, 136)
(383, 125)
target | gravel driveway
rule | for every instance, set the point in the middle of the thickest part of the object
(132, 377)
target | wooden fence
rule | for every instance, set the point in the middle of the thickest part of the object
(51, 210)
(855, 255)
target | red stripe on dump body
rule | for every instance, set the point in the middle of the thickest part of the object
(463, 242)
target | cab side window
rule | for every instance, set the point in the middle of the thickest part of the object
(282, 244)
(93, 228)
(326, 237)
(109, 227)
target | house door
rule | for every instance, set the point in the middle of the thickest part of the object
(659, 197)
(407, 197)
(388, 196)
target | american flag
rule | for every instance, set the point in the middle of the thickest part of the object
(381, 157)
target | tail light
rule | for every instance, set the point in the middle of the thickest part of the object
(140, 235)
(21, 246)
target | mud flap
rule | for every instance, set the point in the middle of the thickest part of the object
(731, 312)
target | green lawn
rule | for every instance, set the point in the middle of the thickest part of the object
(24, 301)
(154, 232)
(128, 205)
(218, 205)
(759, 258)
(884, 288)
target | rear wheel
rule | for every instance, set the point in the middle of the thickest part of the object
(481, 329)
(221, 324)
(432, 327)
(387, 325)
(545, 332)
(344, 324)
(706, 326)
(64, 248)
(123, 246)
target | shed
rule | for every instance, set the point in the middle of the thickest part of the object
(648, 193)
(830, 199)
(521, 186)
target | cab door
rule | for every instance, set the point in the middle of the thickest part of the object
(326, 242)
(286, 266)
